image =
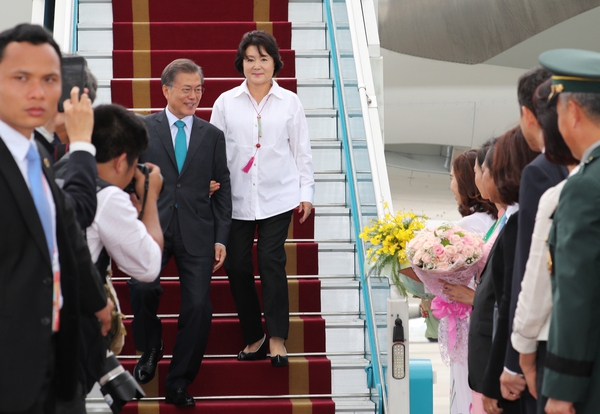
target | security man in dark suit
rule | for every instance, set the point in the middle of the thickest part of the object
(47, 279)
(572, 375)
(190, 153)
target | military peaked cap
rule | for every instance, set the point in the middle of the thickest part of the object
(573, 70)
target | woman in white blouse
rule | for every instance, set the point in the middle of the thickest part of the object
(270, 161)
(479, 215)
(534, 306)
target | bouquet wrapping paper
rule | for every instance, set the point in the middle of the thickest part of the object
(447, 254)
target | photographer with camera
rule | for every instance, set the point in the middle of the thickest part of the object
(119, 137)
(135, 245)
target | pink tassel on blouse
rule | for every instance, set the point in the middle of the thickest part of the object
(248, 166)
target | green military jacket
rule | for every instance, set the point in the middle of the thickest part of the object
(573, 361)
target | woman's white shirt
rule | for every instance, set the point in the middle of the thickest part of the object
(281, 175)
(479, 222)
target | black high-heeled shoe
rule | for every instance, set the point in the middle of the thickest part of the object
(260, 353)
(279, 361)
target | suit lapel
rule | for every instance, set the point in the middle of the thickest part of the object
(196, 137)
(163, 131)
(20, 191)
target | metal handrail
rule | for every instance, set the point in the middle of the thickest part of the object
(74, 45)
(356, 212)
(369, 105)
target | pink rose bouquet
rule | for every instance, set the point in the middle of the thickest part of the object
(447, 254)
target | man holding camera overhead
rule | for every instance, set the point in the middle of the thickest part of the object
(190, 153)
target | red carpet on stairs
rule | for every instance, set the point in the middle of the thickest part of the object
(241, 406)
(149, 34)
(195, 11)
(126, 90)
(193, 35)
(304, 296)
(215, 63)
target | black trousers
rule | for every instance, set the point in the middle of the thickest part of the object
(195, 317)
(272, 233)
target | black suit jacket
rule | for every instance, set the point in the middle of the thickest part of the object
(502, 280)
(537, 177)
(76, 174)
(42, 141)
(482, 317)
(203, 220)
(26, 291)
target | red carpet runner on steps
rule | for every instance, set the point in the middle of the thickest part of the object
(148, 34)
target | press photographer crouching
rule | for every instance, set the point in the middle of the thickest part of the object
(116, 233)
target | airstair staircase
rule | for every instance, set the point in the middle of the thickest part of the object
(339, 304)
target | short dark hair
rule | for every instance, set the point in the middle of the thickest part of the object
(556, 150)
(489, 157)
(470, 197)
(260, 39)
(117, 131)
(528, 83)
(90, 82)
(178, 66)
(511, 155)
(30, 33)
(483, 150)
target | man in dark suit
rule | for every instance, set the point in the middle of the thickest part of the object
(572, 374)
(190, 153)
(47, 279)
(537, 177)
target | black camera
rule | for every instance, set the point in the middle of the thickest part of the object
(117, 385)
(146, 171)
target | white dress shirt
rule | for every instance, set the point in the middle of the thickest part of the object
(282, 173)
(126, 239)
(188, 120)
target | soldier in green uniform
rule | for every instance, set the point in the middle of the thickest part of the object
(572, 374)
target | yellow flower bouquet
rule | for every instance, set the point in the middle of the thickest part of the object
(386, 239)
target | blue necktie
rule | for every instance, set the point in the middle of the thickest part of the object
(34, 173)
(180, 145)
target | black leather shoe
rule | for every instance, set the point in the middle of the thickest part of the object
(260, 353)
(279, 361)
(146, 367)
(179, 398)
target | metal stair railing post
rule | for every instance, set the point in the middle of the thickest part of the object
(356, 215)
(65, 24)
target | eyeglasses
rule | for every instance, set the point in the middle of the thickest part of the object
(186, 90)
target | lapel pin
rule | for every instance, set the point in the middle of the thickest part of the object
(46, 163)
